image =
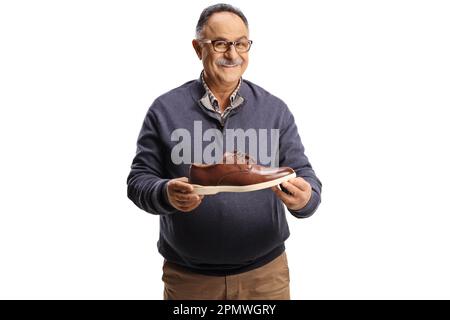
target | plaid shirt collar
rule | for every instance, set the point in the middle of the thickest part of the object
(213, 102)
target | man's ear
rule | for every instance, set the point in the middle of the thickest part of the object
(197, 48)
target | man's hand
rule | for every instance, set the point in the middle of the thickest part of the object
(181, 195)
(300, 193)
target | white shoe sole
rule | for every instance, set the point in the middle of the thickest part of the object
(207, 190)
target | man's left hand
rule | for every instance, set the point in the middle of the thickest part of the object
(300, 193)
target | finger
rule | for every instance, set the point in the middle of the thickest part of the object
(188, 205)
(300, 183)
(282, 195)
(181, 186)
(291, 188)
(191, 207)
(183, 202)
(186, 196)
(183, 208)
(275, 190)
(187, 199)
(191, 199)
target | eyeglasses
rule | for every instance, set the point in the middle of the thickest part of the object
(223, 46)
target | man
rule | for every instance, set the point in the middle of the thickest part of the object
(228, 245)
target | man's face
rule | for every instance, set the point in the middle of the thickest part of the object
(223, 68)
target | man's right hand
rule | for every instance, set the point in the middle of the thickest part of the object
(181, 195)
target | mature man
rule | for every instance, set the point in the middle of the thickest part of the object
(229, 245)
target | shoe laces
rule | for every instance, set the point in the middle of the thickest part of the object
(239, 157)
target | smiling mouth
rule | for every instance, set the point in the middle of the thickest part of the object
(229, 66)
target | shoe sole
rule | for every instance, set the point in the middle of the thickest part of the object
(208, 190)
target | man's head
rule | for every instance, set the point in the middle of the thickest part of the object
(223, 64)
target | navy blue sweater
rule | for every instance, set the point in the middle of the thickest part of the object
(229, 232)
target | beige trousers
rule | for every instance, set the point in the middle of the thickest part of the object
(268, 282)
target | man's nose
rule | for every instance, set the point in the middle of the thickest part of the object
(231, 52)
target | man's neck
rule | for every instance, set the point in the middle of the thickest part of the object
(221, 91)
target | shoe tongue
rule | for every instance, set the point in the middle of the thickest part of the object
(237, 158)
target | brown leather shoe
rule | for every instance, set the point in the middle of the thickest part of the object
(237, 173)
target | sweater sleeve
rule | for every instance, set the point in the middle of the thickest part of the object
(292, 154)
(146, 182)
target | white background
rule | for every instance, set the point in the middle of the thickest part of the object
(367, 81)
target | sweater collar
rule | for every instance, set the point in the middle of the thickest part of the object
(198, 90)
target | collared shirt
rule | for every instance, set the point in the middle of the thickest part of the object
(210, 102)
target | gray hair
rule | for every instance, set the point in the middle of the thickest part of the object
(209, 11)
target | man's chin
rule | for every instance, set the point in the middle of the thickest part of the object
(231, 75)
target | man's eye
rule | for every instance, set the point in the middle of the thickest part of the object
(221, 44)
(242, 45)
